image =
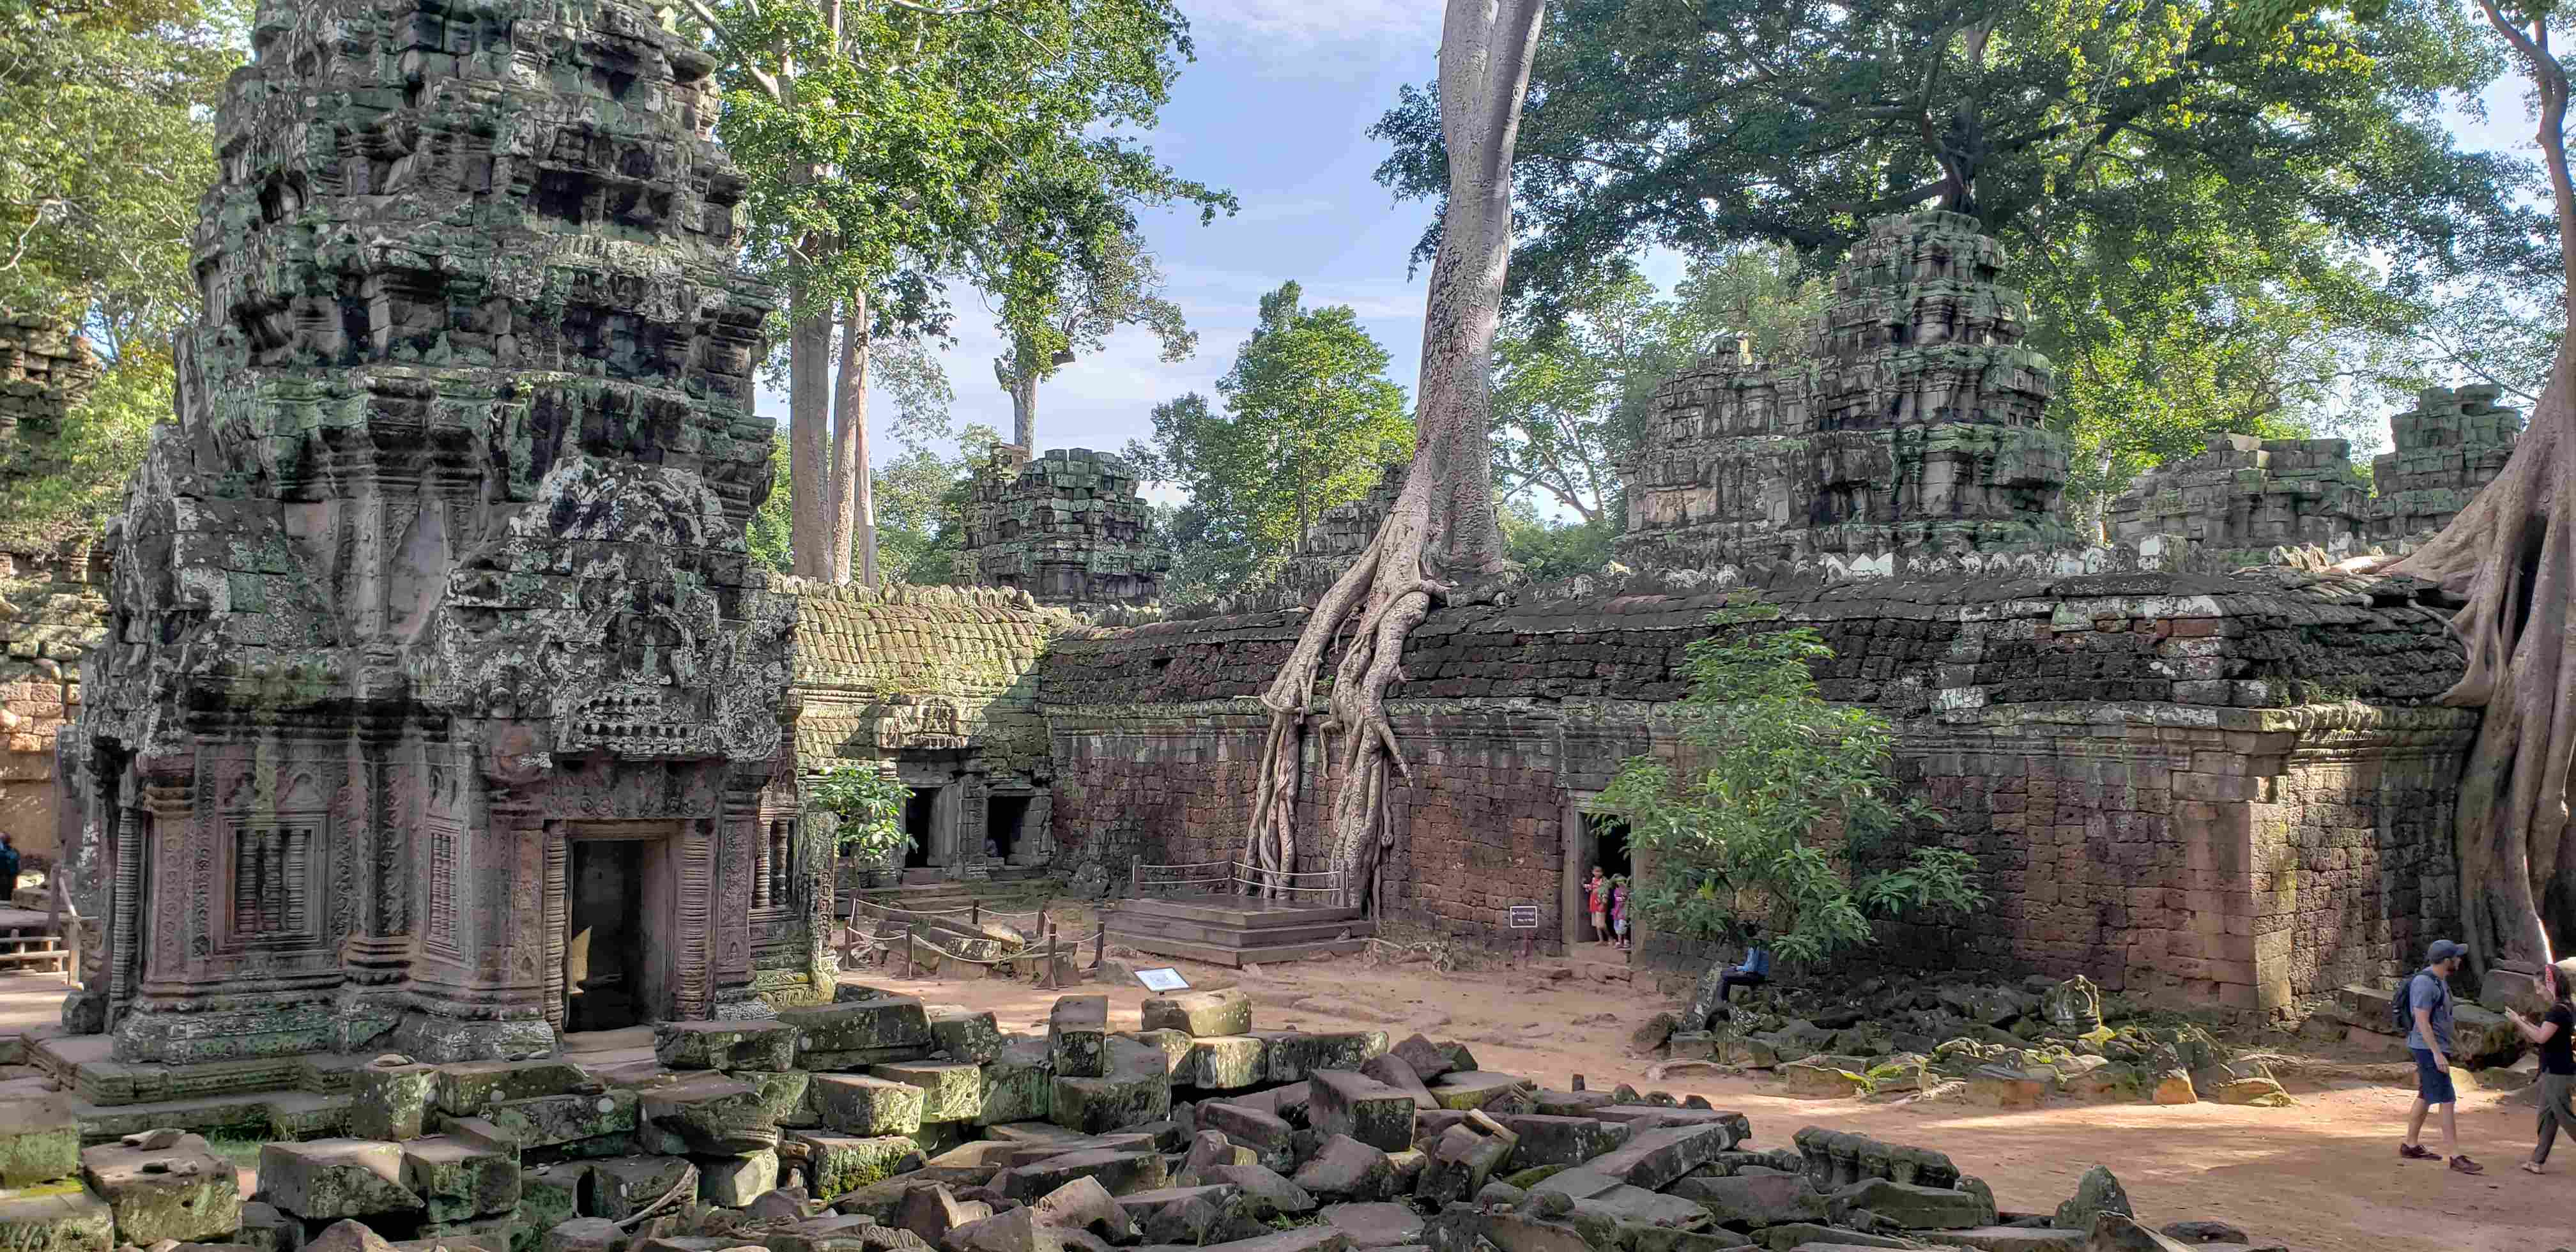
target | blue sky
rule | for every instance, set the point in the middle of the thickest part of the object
(1276, 109)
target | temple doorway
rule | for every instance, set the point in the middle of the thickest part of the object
(616, 958)
(1004, 816)
(920, 821)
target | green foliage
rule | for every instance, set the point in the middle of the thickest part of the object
(918, 497)
(1784, 812)
(1572, 387)
(1547, 550)
(64, 485)
(869, 803)
(2220, 226)
(1311, 421)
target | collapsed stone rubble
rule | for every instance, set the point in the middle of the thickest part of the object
(880, 1122)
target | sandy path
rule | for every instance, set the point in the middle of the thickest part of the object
(2323, 1177)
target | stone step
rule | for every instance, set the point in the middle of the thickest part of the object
(1237, 911)
(1234, 936)
(1232, 955)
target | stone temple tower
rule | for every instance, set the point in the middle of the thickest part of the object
(441, 708)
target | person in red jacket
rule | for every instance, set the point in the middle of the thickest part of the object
(1599, 889)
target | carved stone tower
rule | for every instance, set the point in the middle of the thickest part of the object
(1066, 527)
(1906, 441)
(441, 708)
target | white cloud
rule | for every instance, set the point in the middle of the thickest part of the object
(1316, 21)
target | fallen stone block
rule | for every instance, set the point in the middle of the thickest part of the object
(322, 1179)
(2097, 1192)
(1340, 1102)
(1291, 1056)
(2017, 1239)
(1654, 1158)
(392, 1101)
(725, 1045)
(963, 1033)
(1223, 1063)
(1914, 1207)
(1796, 1235)
(63, 1218)
(709, 1114)
(1754, 1201)
(1017, 1085)
(1227, 1011)
(1388, 1068)
(1135, 1090)
(734, 1181)
(1077, 1036)
(1554, 1103)
(932, 1211)
(785, 1093)
(551, 1121)
(1474, 1089)
(181, 1190)
(622, 1186)
(1118, 1171)
(500, 1232)
(1428, 1059)
(1267, 1135)
(549, 1195)
(1347, 1169)
(349, 1235)
(2117, 1232)
(1624, 1205)
(585, 1234)
(264, 1229)
(844, 1163)
(862, 1104)
(1271, 1194)
(1084, 1205)
(951, 1091)
(1547, 1140)
(858, 1033)
(1376, 1225)
(470, 1088)
(458, 1178)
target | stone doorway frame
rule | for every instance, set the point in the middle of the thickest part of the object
(676, 864)
(1576, 846)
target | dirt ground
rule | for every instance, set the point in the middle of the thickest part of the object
(2322, 1177)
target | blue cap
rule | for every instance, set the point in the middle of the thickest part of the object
(2443, 950)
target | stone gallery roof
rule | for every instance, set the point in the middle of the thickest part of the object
(1953, 649)
(911, 667)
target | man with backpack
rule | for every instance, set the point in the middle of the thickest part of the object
(2423, 1008)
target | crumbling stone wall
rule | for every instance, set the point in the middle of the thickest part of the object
(939, 685)
(52, 609)
(1907, 439)
(1067, 527)
(2452, 443)
(2245, 496)
(2203, 790)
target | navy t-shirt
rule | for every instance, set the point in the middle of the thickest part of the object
(2558, 1056)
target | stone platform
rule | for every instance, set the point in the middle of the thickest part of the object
(1235, 930)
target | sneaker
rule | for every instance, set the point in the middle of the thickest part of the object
(2463, 1165)
(2414, 1153)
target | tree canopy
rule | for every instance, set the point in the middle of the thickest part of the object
(1310, 421)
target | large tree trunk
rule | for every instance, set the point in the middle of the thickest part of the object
(809, 447)
(2512, 555)
(851, 522)
(1442, 528)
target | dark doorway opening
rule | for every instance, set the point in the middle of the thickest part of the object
(604, 973)
(1003, 818)
(1609, 843)
(917, 812)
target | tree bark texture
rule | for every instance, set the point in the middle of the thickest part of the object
(2511, 554)
(1443, 528)
(853, 528)
(809, 446)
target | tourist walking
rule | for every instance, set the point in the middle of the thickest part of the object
(9, 869)
(2555, 1035)
(2427, 1007)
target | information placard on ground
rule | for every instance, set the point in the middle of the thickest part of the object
(1166, 979)
(1524, 917)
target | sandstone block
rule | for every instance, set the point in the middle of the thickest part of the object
(964, 1035)
(1473, 1089)
(931, 1212)
(1654, 1158)
(1753, 1201)
(1267, 1134)
(1344, 1103)
(734, 1181)
(470, 1088)
(1291, 1056)
(585, 1234)
(951, 1091)
(860, 1032)
(322, 1179)
(458, 1178)
(57, 1219)
(1119, 1171)
(1347, 1169)
(1077, 1036)
(1223, 1012)
(1135, 1091)
(178, 1190)
(726, 1045)
(1017, 1085)
(551, 1121)
(1915, 1207)
(39, 1142)
(859, 1104)
(711, 1114)
(549, 1195)
(1548, 1140)
(1213, 1213)
(845, 1163)
(1270, 1193)
(1223, 1063)
(1429, 1060)
(622, 1186)
(392, 1101)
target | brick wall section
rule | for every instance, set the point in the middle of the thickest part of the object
(2199, 789)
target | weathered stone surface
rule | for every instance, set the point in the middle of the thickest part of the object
(1550, 1140)
(1191, 1216)
(861, 1104)
(1289, 1056)
(39, 1141)
(1077, 1036)
(2018, 1239)
(56, 1219)
(552, 1121)
(734, 1181)
(1017, 1085)
(1473, 1089)
(1754, 1201)
(549, 1195)
(710, 1114)
(1347, 1169)
(1223, 1063)
(473, 1088)
(322, 1179)
(458, 1178)
(1119, 1171)
(265, 1229)
(1916, 1207)
(1227, 1011)
(845, 1163)
(585, 1234)
(931, 1211)
(2114, 1232)
(1375, 1225)
(1067, 527)
(1344, 1103)
(1270, 1193)
(965, 1035)
(622, 1186)
(1655, 1158)
(726, 1045)
(1135, 1090)
(2096, 1193)
(862, 1032)
(1264, 1133)
(952, 1091)
(392, 1101)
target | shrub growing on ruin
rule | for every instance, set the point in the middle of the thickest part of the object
(869, 803)
(1782, 811)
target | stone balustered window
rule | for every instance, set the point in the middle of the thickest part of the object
(273, 884)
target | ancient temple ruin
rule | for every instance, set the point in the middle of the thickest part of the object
(1067, 527)
(53, 606)
(1905, 441)
(2452, 443)
(441, 708)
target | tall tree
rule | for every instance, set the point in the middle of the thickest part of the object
(1123, 287)
(1310, 421)
(1443, 529)
(2511, 554)
(885, 140)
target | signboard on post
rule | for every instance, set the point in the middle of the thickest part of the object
(1524, 917)
(1165, 979)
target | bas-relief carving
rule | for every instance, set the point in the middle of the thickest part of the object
(418, 575)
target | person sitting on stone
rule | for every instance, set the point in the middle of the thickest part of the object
(1754, 971)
